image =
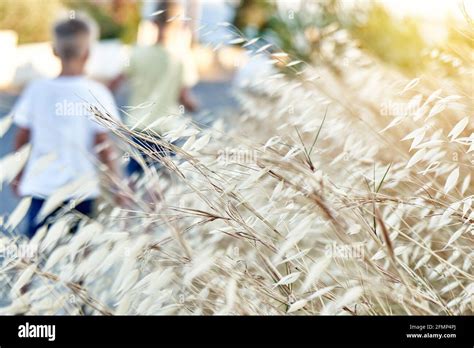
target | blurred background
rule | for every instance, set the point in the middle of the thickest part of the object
(414, 37)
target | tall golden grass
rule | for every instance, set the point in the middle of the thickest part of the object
(343, 192)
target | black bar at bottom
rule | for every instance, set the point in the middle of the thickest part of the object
(224, 330)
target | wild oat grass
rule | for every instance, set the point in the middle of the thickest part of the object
(312, 201)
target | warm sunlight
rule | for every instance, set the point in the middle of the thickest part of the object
(162, 161)
(429, 9)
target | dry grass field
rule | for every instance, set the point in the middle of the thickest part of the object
(343, 192)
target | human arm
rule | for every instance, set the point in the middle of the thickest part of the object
(187, 99)
(106, 154)
(116, 82)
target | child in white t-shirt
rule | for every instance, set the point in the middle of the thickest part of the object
(54, 116)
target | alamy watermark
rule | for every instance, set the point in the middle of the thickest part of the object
(345, 251)
(238, 155)
(18, 251)
(73, 108)
(399, 109)
(37, 331)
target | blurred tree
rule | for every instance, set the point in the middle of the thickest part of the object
(116, 18)
(32, 19)
(28, 18)
(298, 28)
(252, 16)
(394, 41)
(301, 27)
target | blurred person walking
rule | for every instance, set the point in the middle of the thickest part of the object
(54, 116)
(159, 76)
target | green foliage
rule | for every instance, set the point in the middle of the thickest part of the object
(28, 18)
(396, 42)
(32, 19)
(301, 32)
(252, 16)
(299, 29)
(117, 19)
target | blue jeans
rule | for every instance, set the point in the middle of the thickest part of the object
(134, 167)
(85, 207)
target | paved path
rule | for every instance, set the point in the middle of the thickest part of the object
(7, 199)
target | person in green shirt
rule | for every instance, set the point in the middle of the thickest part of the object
(159, 92)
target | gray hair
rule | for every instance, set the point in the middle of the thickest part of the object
(72, 38)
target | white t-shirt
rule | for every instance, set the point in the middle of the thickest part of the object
(62, 132)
